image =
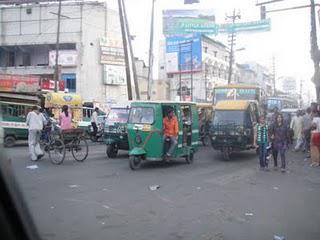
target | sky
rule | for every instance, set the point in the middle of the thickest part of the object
(288, 41)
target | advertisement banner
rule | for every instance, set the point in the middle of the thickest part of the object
(48, 84)
(184, 53)
(189, 21)
(114, 75)
(112, 52)
(19, 83)
(67, 58)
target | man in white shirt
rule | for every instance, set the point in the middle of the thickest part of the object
(35, 122)
(94, 121)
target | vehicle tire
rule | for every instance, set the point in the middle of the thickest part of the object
(226, 154)
(56, 151)
(206, 140)
(9, 141)
(112, 151)
(135, 162)
(189, 158)
(80, 149)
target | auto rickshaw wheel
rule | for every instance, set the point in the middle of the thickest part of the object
(135, 162)
(226, 152)
(189, 158)
(112, 151)
(9, 141)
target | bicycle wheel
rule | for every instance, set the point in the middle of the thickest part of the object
(56, 151)
(79, 149)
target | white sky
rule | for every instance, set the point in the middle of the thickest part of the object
(288, 41)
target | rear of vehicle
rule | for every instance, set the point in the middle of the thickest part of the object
(115, 130)
(13, 122)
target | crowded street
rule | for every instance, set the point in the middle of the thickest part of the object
(211, 199)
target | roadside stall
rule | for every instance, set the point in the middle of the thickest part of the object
(55, 101)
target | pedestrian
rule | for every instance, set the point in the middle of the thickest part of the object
(315, 139)
(94, 121)
(307, 122)
(261, 141)
(297, 126)
(35, 122)
(280, 141)
(274, 115)
(65, 118)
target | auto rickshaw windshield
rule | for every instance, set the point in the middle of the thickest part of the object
(143, 115)
(228, 116)
(117, 115)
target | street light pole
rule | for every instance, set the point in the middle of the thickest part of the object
(56, 67)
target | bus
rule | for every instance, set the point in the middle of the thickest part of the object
(238, 92)
(281, 103)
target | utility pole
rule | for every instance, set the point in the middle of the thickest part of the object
(134, 69)
(125, 49)
(150, 80)
(206, 80)
(56, 67)
(315, 54)
(233, 18)
(274, 75)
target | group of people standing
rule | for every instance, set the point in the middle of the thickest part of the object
(272, 140)
(275, 137)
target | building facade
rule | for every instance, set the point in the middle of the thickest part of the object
(209, 67)
(91, 59)
(255, 74)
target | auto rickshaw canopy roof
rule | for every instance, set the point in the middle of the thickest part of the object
(60, 99)
(232, 105)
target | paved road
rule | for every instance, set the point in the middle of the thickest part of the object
(210, 200)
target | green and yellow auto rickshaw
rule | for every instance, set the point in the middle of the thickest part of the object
(115, 130)
(145, 131)
(233, 126)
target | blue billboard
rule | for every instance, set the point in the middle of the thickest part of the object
(184, 53)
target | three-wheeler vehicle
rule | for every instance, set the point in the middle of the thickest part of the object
(115, 130)
(233, 126)
(145, 131)
(13, 121)
(205, 111)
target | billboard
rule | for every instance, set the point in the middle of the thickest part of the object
(48, 84)
(19, 83)
(189, 21)
(254, 26)
(114, 75)
(66, 58)
(112, 52)
(184, 53)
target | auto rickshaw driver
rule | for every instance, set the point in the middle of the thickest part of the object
(170, 132)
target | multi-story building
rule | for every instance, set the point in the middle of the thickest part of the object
(91, 55)
(255, 74)
(210, 66)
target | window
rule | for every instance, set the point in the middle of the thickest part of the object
(144, 115)
(117, 115)
(11, 59)
(222, 117)
(70, 81)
